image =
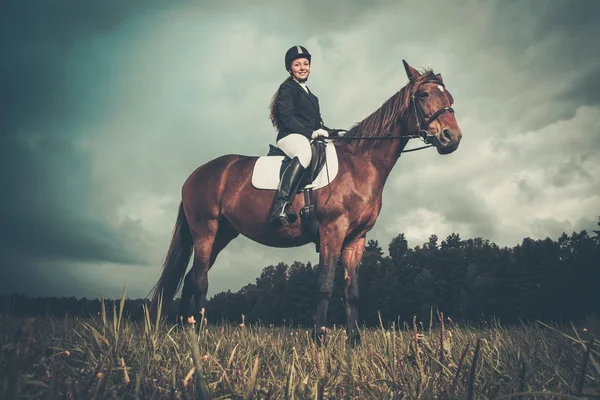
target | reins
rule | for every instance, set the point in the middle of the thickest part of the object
(388, 136)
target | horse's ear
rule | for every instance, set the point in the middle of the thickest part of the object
(439, 76)
(410, 71)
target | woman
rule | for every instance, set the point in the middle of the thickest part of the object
(296, 115)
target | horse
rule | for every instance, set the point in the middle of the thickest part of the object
(219, 202)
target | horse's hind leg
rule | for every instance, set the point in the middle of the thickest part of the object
(204, 237)
(225, 234)
(186, 295)
(207, 247)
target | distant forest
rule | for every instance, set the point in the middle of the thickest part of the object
(469, 280)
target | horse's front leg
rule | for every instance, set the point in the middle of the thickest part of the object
(330, 248)
(352, 253)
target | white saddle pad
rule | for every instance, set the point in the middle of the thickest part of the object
(265, 174)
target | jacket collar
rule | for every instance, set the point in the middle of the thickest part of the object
(310, 96)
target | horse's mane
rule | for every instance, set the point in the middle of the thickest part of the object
(382, 120)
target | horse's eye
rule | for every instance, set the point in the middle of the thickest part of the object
(423, 95)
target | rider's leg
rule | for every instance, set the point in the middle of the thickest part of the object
(297, 147)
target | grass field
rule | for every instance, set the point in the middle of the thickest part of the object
(109, 356)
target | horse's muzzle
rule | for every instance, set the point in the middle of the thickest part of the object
(447, 140)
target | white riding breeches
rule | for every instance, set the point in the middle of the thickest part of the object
(296, 145)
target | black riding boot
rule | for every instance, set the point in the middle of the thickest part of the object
(287, 189)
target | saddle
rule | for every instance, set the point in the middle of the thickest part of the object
(316, 163)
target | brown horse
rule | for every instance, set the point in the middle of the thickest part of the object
(219, 201)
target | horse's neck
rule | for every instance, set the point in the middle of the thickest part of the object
(382, 156)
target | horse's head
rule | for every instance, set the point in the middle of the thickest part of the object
(430, 113)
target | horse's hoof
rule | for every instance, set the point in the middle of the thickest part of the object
(320, 335)
(321, 339)
(353, 339)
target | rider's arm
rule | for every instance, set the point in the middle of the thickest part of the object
(321, 121)
(285, 107)
(331, 131)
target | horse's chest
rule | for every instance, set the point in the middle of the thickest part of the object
(366, 212)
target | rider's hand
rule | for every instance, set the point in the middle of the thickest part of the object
(319, 132)
(338, 132)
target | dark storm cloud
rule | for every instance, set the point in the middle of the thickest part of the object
(20, 275)
(561, 45)
(573, 28)
(38, 37)
(45, 207)
(524, 63)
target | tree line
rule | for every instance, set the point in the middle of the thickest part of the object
(466, 279)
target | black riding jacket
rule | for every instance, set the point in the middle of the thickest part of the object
(297, 111)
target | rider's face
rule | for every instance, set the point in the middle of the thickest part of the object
(301, 69)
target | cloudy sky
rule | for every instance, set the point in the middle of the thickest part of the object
(106, 108)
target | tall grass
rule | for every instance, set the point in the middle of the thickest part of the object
(109, 356)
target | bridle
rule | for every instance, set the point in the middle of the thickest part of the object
(422, 132)
(419, 113)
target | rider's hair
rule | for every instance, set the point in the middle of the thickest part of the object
(273, 114)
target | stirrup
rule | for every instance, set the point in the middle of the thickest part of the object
(284, 217)
(287, 218)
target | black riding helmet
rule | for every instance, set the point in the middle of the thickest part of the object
(294, 53)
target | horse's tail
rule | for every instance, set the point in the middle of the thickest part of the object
(175, 265)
